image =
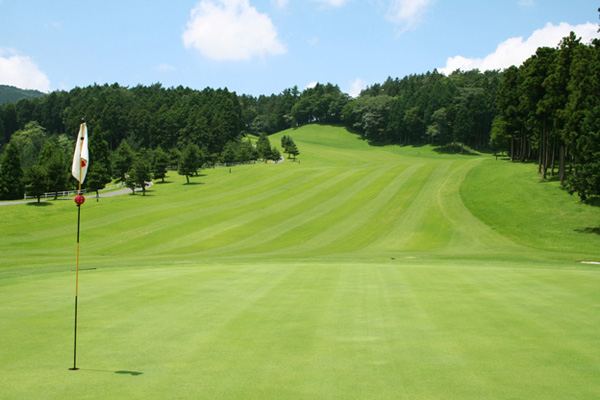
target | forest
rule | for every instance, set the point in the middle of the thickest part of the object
(546, 110)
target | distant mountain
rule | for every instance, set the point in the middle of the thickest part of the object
(11, 94)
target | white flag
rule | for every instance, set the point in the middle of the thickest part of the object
(81, 157)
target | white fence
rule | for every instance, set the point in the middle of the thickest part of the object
(66, 193)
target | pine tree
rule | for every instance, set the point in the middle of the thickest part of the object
(141, 171)
(100, 171)
(190, 161)
(284, 142)
(292, 149)
(263, 146)
(160, 161)
(274, 155)
(11, 174)
(123, 159)
(36, 181)
(53, 160)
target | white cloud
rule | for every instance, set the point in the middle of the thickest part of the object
(515, 51)
(21, 71)
(356, 87)
(280, 3)
(311, 85)
(332, 3)
(408, 13)
(231, 30)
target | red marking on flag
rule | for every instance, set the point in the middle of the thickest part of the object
(83, 162)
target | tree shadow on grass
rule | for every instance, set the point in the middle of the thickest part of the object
(456, 148)
(41, 204)
(193, 183)
(593, 201)
(122, 372)
(132, 373)
(595, 230)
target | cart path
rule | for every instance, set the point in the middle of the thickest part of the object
(87, 196)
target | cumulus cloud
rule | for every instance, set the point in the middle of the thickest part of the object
(515, 51)
(231, 30)
(311, 85)
(408, 13)
(21, 71)
(356, 87)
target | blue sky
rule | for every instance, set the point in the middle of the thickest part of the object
(265, 46)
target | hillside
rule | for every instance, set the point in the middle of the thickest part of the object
(356, 272)
(11, 94)
(344, 200)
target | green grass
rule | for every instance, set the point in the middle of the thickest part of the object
(357, 273)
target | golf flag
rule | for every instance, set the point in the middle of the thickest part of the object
(81, 156)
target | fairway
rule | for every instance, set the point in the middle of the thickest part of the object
(356, 272)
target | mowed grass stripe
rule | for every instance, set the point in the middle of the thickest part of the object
(224, 229)
(339, 204)
(383, 221)
(109, 222)
(348, 221)
(200, 223)
(280, 217)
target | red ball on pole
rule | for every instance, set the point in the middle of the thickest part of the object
(79, 199)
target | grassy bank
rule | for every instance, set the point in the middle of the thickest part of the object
(358, 272)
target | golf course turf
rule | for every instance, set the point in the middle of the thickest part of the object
(356, 272)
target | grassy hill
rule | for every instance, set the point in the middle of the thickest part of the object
(356, 272)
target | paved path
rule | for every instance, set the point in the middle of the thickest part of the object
(87, 196)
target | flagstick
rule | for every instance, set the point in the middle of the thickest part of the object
(76, 290)
(74, 368)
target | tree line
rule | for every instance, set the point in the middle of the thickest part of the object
(135, 134)
(547, 110)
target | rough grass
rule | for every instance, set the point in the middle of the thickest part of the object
(358, 272)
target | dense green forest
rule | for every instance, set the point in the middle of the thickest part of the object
(546, 110)
(11, 94)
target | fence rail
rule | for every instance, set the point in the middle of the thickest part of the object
(66, 193)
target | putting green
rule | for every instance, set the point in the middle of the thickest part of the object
(359, 272)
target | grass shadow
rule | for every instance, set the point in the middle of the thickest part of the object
(456, 148)
(40, 204)
(132, 373)
(595, 230)
(593, 201)
(193, 183)
(122, 372)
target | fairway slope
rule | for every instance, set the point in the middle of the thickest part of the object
(355, 272)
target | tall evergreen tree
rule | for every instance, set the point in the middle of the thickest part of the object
(263, 146)
(141, 171)
(53, 160)
(293, 150)
(11, 174)
(123, 159)
(190, 161)
(160, 162)
(36, 181)
(100, 170)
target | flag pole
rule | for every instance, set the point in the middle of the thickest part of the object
(79, 199)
